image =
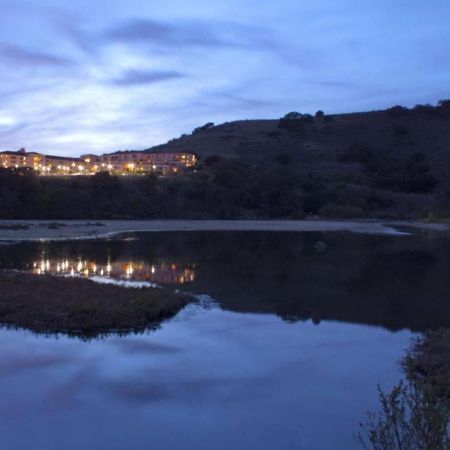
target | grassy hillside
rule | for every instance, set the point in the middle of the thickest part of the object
(393, 163)
(317, 145)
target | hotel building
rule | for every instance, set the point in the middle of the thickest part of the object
(119, 163)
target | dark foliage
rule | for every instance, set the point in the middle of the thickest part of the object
(397, 110)
(205, 127)
(391, 172)
(320, 114)
(411, 174)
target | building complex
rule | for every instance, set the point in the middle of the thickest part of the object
(119, 163)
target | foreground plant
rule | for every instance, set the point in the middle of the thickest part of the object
(415, 415)
(412, 417)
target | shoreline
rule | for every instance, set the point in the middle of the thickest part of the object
(24, 230)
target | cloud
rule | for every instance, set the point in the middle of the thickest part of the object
(214, 34)
(182, 34)
(137, 77)
(28, 57)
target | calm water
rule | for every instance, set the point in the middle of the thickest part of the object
(288, 356)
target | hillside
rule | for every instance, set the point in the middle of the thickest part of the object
(317, 146)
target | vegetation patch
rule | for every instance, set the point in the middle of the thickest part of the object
(75, 306)
(415, 415)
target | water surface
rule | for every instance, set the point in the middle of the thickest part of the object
(303, 328)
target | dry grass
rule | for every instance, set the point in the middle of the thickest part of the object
(76, 306)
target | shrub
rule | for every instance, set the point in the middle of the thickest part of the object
(320, 114)
(411, 418)
(424, 109)
(397, 110)
(292, 116)
(205, 127)
(403, 175)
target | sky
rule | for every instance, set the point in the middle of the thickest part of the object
(94, 76)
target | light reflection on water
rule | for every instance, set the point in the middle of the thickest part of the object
(162, 272)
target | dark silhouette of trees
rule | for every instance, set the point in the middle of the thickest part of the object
(205, 127)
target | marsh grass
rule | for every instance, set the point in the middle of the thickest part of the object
(49, 304)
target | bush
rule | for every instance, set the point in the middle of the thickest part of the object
(411, 418)
(320, 114)
(397, 110)
(292, 116)
(205, 127)
(403, 175)
(424, 109)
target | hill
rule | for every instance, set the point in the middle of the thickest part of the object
(394, 162)
(319, 143)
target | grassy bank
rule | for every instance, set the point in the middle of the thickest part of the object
(75, 306)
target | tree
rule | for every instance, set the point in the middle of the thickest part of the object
(320, 114)
(292, 116)
(205, 127)
(397, 110)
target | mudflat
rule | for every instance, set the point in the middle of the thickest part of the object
(76, 229)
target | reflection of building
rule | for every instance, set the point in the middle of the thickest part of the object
(122, 163)
(160, 273)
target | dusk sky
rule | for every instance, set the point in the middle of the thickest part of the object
(97, 75)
